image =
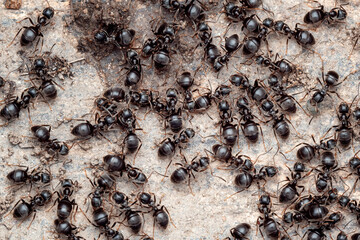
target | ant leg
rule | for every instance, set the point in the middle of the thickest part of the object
(32, 220)
(234, 194)
(190, 186)
(166, 170)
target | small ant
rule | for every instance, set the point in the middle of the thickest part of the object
(67, 229)
(232, 44)
(65, 206)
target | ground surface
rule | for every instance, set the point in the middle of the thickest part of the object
(206, 214)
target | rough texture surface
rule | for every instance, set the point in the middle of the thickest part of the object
(206, 214)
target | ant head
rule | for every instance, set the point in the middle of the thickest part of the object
(224, 106)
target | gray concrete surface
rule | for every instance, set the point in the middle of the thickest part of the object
(206, 214)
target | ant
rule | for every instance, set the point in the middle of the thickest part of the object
(186, 81)
(140, 98)
(24, 209)
(228, 130)
(203, 102)
(307, 152)
(168, 146)
(20, 176)
(204, 32)
(245, 178)
(318, 15)
(269, 224)
(101, 185)
(67, 229)
(101, 219)
(286, 102)
(160, 213)
(133, 76)
(329, 166)
(13, 107)
(232, 44)
(289, 190)
(136, 175)
(127, 119)
(186, 170)
(234, 13)
(121, 38)
(43, 135)
(239, 231)
(344, 131)
(134, 219)
(65, 206)
(248, 126)
(31, 33)
(281, 67)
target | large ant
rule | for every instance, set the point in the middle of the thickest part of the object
(67, 229)
(24, 209)
(319, 15)
(31, 33)
(65, 206)
(20, 176)
(248, 126)
(308, 152)
(232, 44)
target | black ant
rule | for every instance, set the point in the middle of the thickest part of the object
(286, 102)
(24, 209)
(186, 81)
(344, 131)
(204, 32)
(67, 229)
(239, 231)
(134, 73)
(160, 213)
(245, 178)
(120, 37)
(232, 44)
(101, 185)
(65, 206)
(318, 15)
(270, 225)
(134, 219)
(289, 190)
(249, 128)
(186, 171)
(329, 166)
(168, 146)
(281, 67)
(228, 130)
(101, 219)
(20, 176)
(140, 98)
(307, 152)
(13, 107)
(31, 33)
(43, 135)
(234, 13)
